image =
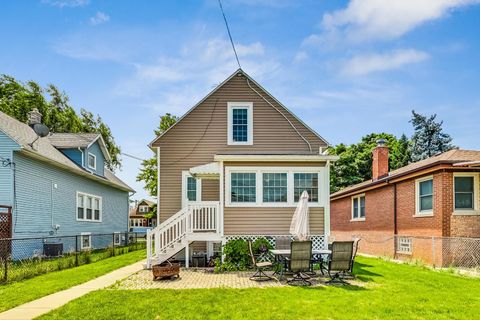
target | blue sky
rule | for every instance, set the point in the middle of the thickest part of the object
(348, 68)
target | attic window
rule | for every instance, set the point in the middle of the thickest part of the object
(92, 161)
(240, 123)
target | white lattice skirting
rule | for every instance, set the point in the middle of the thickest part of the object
(318, 242)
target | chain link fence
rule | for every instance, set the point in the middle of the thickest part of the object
(456, 252)
(28, 257)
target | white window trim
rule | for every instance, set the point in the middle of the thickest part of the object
(358, 196)
(89, 234)
(94, 167)
(119, 239)
(85, 208)
(418, 212)
(322, 192)
(142, 207)
(476, 198)
(239, 105)
(185, 175)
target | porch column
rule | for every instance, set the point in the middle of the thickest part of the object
(187, 255)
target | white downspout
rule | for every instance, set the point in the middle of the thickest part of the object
(327, 205)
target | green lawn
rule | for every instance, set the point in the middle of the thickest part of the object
(17, 293)
(385, 290)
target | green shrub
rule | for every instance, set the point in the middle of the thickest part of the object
(237, 254)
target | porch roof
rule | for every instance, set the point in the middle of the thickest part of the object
(206, 171)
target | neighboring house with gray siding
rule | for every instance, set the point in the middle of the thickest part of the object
(233, 167)
(58, 185)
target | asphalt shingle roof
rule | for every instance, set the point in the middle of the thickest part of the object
(23, 135)
(449, 157)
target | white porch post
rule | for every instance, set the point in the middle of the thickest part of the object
(187, 255)
(222, 199)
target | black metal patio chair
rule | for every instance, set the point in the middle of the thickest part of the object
(260, 267)
(300, 256)
(340, 261)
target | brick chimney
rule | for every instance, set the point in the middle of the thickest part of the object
(380, 160)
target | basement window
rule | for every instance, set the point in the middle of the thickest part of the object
(404, 245)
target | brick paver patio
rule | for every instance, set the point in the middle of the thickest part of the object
(198, 278)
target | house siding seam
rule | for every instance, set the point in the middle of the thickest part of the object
(46, 196)
(6, 173)
(203, 133)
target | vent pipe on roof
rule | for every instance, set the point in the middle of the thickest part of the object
(34, 117)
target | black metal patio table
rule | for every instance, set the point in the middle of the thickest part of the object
(282, 254)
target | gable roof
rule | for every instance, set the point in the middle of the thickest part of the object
(147, 202)
(452, 157)
(239, 71)
(44, 150)
(78, 140)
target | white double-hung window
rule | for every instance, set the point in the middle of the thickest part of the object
(358, 207)
(240, 123)
(466, 193)
(274, 186)
(89, 207)
(243, 187)
(424, 196)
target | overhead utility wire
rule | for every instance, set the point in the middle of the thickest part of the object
(229, 34)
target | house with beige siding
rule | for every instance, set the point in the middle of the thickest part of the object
(234, 167)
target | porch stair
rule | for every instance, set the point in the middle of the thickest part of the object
(199, 221)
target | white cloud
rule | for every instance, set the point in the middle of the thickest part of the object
(176, 81)
(300, 56)
(368, 63)
(66, 3)
(364, 20)
(99, 18)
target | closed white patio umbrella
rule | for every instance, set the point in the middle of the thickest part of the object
(299, 226)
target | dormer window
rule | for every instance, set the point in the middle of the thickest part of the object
(240, 123)
(92, 161)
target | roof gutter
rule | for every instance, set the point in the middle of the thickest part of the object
(275, 158)
(386, 180)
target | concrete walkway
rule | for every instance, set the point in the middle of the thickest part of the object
(46, 304)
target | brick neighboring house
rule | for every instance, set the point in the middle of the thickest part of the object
(410, 212)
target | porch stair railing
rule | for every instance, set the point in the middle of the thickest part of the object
(197, 221)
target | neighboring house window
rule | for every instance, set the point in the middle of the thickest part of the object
(308, 182)
(243, 187)
(86, 241)
(240, 123)
(404, 245)
(466, 189)
(358, 207)
(274, 187)
(143, 209)
(424, 192)
(89, 207)
(92, 161)
(117, 238)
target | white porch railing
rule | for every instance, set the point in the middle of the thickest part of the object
(198, 217)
